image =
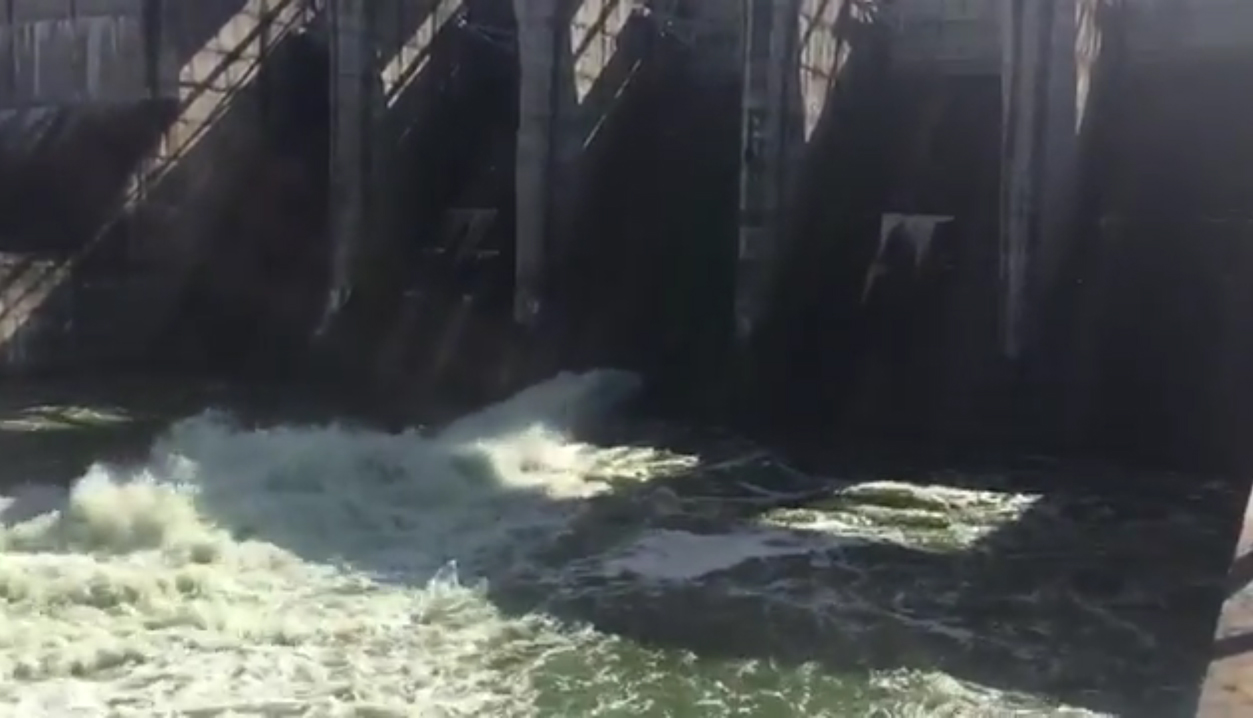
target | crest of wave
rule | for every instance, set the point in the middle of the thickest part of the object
(302, 570)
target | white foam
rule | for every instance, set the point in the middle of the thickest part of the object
(302, 570)
(328, 571)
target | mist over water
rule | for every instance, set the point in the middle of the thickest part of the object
(328, 571)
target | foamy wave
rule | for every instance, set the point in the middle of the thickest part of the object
(301, 569)
(330, 571)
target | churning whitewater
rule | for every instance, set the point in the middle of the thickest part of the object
(335, 571)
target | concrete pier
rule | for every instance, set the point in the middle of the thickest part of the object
(770, 42)
(356, 111)
(1051, 58)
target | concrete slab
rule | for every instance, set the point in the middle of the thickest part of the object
(1228, 688)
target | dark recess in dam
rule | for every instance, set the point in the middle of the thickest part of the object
(437, 312)
(1144, 355)
(251, 301)
(644, 278)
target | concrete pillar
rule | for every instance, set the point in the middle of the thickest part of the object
(795, 54)
(538, 37)
(769, 52)
(1050, 54)
(356, 108)
(563, 46)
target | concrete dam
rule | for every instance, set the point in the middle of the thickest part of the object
(964, 227)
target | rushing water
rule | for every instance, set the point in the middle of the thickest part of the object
(502, 568)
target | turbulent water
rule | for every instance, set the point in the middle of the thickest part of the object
(496, 568)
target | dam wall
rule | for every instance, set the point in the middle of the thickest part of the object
(985, 238)
(953, 222)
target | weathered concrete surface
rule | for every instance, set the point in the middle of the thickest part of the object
(961, 36)
(1120, 365)
(919, 354)
(1051, 54)
(451, 330)
(537, 23)
(52, 208)
(654, 204)
(804, 63)
(771, 46)
(955, 38)
(579, 62)
(1153, 320)
(153, 184)
(570, 179)
(58, 53)
(427, 252)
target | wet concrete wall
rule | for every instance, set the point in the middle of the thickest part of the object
(52, 209)
(648, 277)
(1156, 309)
(113, 202)
(225, 263)
(200, 214)
(253, 290)
(643, 149)
(1143, 355)
(917, 361)
(445, 327)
